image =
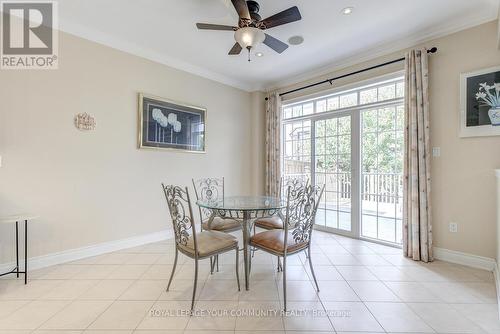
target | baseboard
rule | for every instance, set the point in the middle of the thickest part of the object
(465, 259)
(89, 251)
(496, 273)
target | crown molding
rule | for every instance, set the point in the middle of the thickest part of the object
(381, 50)
(102, 38)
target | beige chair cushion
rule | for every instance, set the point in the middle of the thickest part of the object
(210, 242)
(224, 225)
(270, 223)
(274, 241)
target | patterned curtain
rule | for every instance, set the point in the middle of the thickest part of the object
(273, 144)
(417, 231)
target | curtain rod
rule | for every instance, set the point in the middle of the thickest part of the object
(330, 81)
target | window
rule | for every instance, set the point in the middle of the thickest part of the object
(352, 142)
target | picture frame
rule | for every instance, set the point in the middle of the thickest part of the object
(474, 116)
(168, 125)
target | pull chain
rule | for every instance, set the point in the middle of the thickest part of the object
(249, 48)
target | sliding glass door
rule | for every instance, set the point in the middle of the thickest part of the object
(333, 161)
(382, 149)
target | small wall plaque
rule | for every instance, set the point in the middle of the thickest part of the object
(84, 122)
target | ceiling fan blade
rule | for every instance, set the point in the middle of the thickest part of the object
(275, 44)
(236, 49)
(242, 9)
(292, 14)
(208, 26)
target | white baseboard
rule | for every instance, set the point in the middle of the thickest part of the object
(89, 251)
(496, 273)
(465, 259)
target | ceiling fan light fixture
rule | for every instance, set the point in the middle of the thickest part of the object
(249, 37)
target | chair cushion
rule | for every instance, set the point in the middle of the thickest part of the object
(270, 223)
(274, 241)
(210, 242)
(221, 224)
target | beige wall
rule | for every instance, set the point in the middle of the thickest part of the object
(463, 181)
(498, 36)
(259, 141)
(97, 186)
(93, 187)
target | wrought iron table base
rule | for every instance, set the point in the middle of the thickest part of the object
(16, 269)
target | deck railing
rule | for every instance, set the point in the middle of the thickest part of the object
(375, 187)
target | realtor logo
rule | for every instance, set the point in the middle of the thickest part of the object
(29, 35)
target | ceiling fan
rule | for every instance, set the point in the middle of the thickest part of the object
(250, 30)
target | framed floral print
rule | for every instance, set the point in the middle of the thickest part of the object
(480, 103)
(164, 124)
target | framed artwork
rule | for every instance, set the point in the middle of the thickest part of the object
(480, 103)
(164, 124)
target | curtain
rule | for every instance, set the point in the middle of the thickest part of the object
(273, 144)
(417, 225)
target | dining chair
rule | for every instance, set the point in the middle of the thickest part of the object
(197, 246)
(292, 185)
(297, 233)
(212, 189)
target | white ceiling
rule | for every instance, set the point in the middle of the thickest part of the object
(164, 31)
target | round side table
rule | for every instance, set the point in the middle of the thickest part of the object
(16, 220)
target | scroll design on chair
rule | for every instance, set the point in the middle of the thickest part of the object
(293, 185)
(178, 201)
(209, 190)
(303, 211)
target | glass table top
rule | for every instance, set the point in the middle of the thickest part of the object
(244, 203)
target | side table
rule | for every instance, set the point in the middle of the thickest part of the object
(16, 220)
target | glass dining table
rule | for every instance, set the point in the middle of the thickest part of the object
(244, 209)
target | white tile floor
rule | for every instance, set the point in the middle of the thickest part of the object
(365, 288)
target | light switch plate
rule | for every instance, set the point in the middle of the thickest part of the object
(453, 227)
(436, 152)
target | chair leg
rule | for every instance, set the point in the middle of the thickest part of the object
(253, 249)
(249, 265)
(238, 267)
(280, 268)
(173, 268)
(217, 261)
(312, 270)
(284, 283)
(211, 265)
(195, 283)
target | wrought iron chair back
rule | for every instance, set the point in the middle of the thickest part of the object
(181, 212)
(292, 185)
(209, 189)
(292, 188)
(301, 212)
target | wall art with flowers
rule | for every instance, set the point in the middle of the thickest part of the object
(164, 124)
(480, 103)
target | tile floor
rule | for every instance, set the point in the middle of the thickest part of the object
(365, 288)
